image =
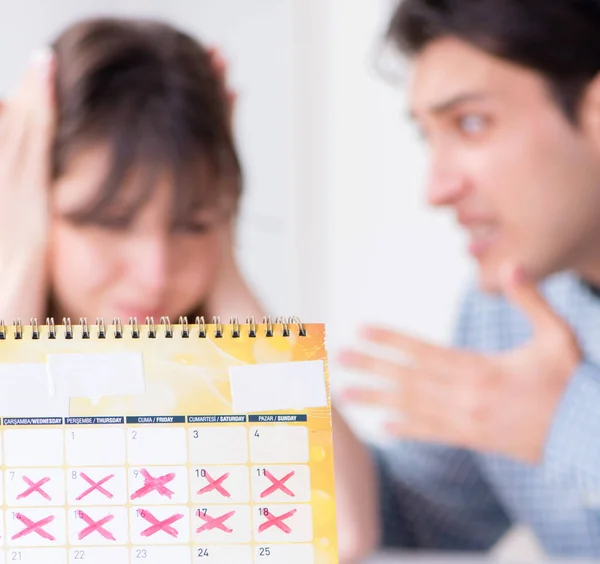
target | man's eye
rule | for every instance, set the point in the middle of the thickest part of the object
(472, 124)
(193, 227)
(113, 223)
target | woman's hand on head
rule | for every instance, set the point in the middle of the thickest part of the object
(219, 65)
(26, 135)
(231, 295)
(27, 123)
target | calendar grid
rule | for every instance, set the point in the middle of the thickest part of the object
(75, 472)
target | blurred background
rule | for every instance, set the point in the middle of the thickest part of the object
(334, 226)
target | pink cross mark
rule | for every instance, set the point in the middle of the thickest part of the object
(278, 485)
(154, 484)
(215, 522)
(34, 487)
(274, 521)
(95, 486)
(215, 485)
(34, 527)
(157, 525)
(95, 526)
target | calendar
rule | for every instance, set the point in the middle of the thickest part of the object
(153, 444)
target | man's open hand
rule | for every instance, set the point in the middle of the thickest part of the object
(501, 403)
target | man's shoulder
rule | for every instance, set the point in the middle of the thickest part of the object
(489, 322)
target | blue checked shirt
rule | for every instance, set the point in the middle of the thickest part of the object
(436, 497)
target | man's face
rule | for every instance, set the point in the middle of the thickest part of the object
(522, 180)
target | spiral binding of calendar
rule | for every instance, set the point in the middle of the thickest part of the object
(200, 329)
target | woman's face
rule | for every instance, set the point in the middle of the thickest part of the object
(116, 268)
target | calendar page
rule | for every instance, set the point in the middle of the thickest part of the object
(173, 449)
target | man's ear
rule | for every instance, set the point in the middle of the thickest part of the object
(589, 111)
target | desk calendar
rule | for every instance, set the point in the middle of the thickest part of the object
(186, 444)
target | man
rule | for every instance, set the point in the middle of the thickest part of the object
(505, 427)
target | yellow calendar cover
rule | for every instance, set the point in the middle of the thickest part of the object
(182, 444)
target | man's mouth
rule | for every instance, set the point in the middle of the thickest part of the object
(482, 237)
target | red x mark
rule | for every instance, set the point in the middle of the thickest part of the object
(215, 485)
(274, 521)
(151, 484)
(215, 522)
(34, 527)
(278, 485)
(157, 525)
(34, 487)
(95, 486)
(95, 526)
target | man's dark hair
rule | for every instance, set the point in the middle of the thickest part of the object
(558, 38)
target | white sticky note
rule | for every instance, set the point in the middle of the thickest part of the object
(277, 386)
(95, 375)
(24, 392)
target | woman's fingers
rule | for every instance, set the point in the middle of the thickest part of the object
(41, 125)
(27, 126)
(220, 67)
(30, 111)
(28, 123)
(41, 107)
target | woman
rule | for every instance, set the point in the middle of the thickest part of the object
(119, 180)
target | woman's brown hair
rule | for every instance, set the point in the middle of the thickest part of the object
(149, 91)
